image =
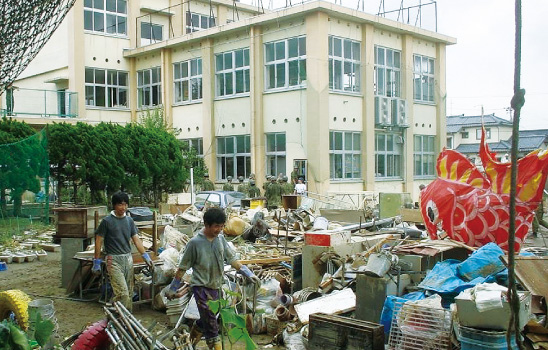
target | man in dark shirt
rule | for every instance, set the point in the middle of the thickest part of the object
(116, 231)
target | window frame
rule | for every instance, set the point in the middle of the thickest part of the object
(388, 74)
(196, 143)
(345, 152)
(465, 135)
(186, 67)
(277, 157)
(487, 134)
(286, 62)
(394, 157)
(92, 11)
(231, 73)
(108, 88)
(150, 31)
(340, 62)
(233, 157)
(155, 87)
(424, 156)
(424, 78)
(209, 20)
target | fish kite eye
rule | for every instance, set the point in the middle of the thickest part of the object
(432, 211)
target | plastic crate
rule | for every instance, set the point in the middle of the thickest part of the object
(479, 339)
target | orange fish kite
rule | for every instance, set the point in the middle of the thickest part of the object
(472, 207)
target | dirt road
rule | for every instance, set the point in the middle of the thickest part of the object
(42, 279)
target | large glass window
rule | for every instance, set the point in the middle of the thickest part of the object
(285, 63)
(487, 134)
(233, 156)
(187, 80)
(423, 78)
(345, 154)
(106, 88)
(388, 155)
(196, 22)
(344, 64)
(151, 33)
(149, 87)
(106, 16)
(387, 72)
(275, 153)
(232, 72)
(423, 155)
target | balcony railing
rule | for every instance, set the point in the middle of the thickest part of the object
(21, 102)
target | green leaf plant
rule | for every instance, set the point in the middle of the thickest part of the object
(233, 324)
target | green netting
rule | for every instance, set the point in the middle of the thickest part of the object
(24, 180)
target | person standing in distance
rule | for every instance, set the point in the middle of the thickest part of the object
(117, 230)
(206, 254)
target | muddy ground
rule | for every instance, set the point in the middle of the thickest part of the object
(42, 279)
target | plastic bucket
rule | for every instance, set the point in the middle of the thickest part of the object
(3, 266)
(378, 265)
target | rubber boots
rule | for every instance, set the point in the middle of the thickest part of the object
(216, 346)
(195, 335)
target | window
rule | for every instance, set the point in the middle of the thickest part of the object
(149, 87)
(450, 142)
(197, 144)
(487, 134)
(106, 16)
(285, 63)
(388, 155)
(233, 156)
(232, 72)
(344, 64)
(387, 72)
(275, 153)
(423, 155)
(151, 33)
(196, 22)
(465, 134)
(423, 78)
(187, 79)
(106, 88)
(344, 154)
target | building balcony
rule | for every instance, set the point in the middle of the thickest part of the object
(33, 103)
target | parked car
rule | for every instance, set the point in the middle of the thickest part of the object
(221, 199)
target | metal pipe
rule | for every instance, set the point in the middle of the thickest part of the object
(131, 342)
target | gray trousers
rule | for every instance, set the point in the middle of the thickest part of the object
(120, 272)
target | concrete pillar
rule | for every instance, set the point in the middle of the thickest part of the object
(134, 30)
(208, 115)
(133, 88)
(256, 100)
(177, 20)
(440, 96)
(368, 116)
(76, 58)
(407, 94)
(167, 85)
(317, 102)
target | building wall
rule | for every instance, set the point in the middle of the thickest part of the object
(306, 114)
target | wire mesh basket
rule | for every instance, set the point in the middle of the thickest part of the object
(419, 327)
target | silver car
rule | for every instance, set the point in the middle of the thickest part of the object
(220, 199)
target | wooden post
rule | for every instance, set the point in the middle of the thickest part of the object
(155, 233)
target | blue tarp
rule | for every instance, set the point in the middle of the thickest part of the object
(388, 308)
(482, 263)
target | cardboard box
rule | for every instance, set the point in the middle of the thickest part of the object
(496, 319)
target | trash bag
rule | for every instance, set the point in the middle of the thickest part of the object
(235, 226)
(293, 341)
(482, 263)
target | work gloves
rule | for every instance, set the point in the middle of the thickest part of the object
(244, 270)
(96, 269)
(176, 283)
(148, 261)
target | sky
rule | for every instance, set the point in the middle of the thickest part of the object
(480, 67)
